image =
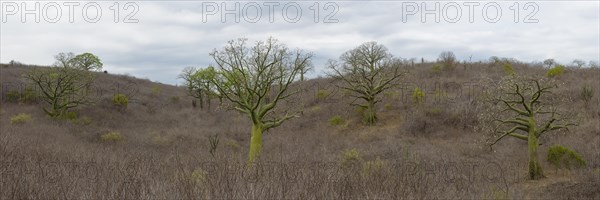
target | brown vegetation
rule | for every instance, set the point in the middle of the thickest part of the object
(425, 151)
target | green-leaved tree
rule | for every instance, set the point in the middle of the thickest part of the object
(255, 80)
(199, 85)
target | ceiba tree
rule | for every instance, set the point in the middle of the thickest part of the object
(524, 108)
(366, 71)
(255, 80)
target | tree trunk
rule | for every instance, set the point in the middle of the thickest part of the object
(535, 168)
(255, 143)
(370, 116)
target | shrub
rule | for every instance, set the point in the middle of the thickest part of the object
(120, 100)
(13, 96)
(322, 95)
(198, 176)
(448, 59)
(508, 69)
(112, 137)
(70, 115)
(161, 140)
(175, 98)
(436, 69)
(388, 106)
(563, 157)
(498, 193)
(29, 95)
(336, 120)
(439, 95)
(156, 90)
(374, 168)
(586, 93)
(418, 96)
(556, 71)
(20, 118)
(350, 158)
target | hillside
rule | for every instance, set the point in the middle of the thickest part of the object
(428, 151)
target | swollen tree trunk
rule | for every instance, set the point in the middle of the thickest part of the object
(535, 169)
(255, 142)
(370, 116)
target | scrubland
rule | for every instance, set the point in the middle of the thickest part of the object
(161, 147)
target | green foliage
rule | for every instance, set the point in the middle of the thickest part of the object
(388, 106)
(436, 69)
(86, 61)
(434, 111)
(350, 158)
(418, 96)
(556, 71)
(586, 93)
(563, 157)
(69, 115)
(498, 194)
(13, 96)
(336, 120)
(161, 140)
(120, 100)
(29, 95)
(198, 176)
(322, 94)
(112, 136)
(369, 116)
(20, 118)
(156, 91)
(508, 69)
(61, 88)
(374, 167)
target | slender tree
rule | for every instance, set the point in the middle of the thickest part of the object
(198, 83)
(366, 71)
(524, 108)
(255, 80)
(64, 59)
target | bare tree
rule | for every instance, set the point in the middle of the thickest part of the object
(578, 63)
(448, 59)
(593, 64)
(64, 59)
(366, 71)
(305, 69)
(525, 109)
(247, 76)
(549, 62)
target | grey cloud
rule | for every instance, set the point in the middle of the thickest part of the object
(171, 36)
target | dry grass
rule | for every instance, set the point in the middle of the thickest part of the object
(415, 152)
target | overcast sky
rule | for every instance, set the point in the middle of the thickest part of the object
(166, 36)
